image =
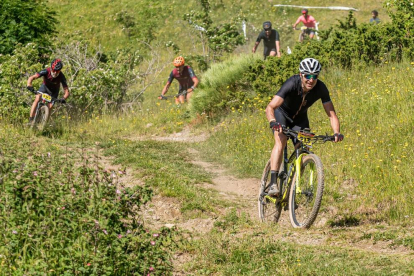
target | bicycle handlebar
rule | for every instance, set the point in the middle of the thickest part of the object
(307, 134)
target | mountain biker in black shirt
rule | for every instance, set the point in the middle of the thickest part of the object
(289, 108)
(270, 39)
(52, 79)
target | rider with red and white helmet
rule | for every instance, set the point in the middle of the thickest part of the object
(185, 76)
(52, 79)
(289, 108)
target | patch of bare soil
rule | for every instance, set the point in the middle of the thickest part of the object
(166, 211)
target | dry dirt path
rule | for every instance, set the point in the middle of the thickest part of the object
(243, 192)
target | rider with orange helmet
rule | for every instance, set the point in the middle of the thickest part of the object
(186, 78)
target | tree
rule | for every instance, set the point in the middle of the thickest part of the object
(24, 21)
(216, 39)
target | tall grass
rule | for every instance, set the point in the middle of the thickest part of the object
(219, 83)
(368, 175)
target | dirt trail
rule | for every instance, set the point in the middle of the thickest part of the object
(166, 211)
(244, 191)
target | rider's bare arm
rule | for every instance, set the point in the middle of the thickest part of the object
(195, 80)
(278, 48)
(255, 46)
(66, 93)
(270, 109)
(330, 111)
(165, 89)
(31, 78)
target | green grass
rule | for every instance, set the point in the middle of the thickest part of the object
(371, 165)
(95, 20)
(166, 167)
(237, 246)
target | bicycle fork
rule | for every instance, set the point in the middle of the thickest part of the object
(298, 166)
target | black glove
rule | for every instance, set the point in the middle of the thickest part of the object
(275, 125)
(340, 136)
(31, 89)
(63, 101)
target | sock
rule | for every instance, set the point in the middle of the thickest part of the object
(273, 176)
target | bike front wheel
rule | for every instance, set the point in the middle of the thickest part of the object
(270, 209)
(306, 192)
(41, 118)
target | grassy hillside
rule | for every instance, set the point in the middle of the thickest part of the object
(71, 195)
(95, 20)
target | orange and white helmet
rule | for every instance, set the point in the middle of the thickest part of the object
(178, 61)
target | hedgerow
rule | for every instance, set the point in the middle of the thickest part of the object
(346, 45)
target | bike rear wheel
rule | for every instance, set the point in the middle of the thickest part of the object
(305, 199)
(270, 209)
(41, 118)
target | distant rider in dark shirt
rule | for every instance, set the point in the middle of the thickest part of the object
(187, 79)
(52, 79)
(270, 39)
(374, 18)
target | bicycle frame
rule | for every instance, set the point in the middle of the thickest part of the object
(294, 164)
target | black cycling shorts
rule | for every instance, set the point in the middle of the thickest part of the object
(44, 89)
(298, 123)
(309, 31)
(182, 92)
(267, 51)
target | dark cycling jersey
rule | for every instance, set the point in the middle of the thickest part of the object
(52, 84)
(185, 79)
(268, 42)
(296, 104)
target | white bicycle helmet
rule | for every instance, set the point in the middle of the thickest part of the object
(310, 66)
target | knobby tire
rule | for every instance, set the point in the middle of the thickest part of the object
(41, 118)
(304, 206)
(268, 211)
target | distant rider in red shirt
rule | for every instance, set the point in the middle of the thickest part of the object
(187, 79)
(52, 79)
(308, 21)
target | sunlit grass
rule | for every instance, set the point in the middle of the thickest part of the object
(372, 164)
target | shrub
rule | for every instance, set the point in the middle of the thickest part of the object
(64, 218)
(24, 21)
(97, 83)
(222, 86)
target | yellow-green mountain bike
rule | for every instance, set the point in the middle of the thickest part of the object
(301, 182)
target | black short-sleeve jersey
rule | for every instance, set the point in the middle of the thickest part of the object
(268, 42)
(53, 84)
(292, 93)
(185, 78)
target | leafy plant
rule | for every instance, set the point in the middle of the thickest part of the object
(216, 39)
(24, 21)
(66, 218)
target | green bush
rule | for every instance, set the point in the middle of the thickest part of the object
(96, 84)
(222, 86)
(62, 218)
(347, 45)
(24, 21)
